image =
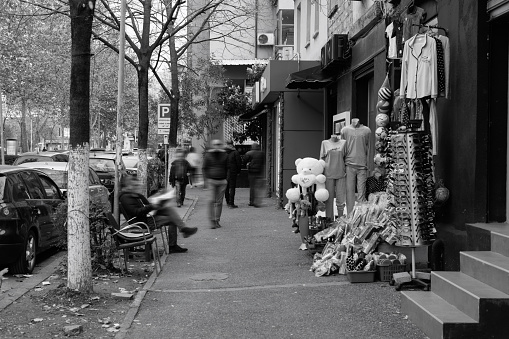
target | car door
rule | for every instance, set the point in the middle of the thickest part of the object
(41, 210)
(53, 199)
(98, 193)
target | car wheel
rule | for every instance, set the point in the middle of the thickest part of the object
(26, 261)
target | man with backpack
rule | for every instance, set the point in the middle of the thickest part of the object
(234, 167)
(255, 162)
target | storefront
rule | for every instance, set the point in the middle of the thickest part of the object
(294, 120)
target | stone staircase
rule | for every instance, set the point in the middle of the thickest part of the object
(472, 303)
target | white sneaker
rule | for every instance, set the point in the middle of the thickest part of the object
(303, 247)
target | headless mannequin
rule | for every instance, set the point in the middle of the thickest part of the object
(332, 151)
(357, 138)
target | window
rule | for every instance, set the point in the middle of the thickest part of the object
(308, 23)
(285, 27)
(50, 188)
(317, 18)
(33, 184)
(94, 178)
(299, 28)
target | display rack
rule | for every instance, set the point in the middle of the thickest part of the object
(411, 184)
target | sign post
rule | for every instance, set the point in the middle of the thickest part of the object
(166, 160)
(163, 127)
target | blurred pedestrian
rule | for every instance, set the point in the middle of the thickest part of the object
(234, 165)
(255, 162)
(215, 169)
(179, 174)
(195, 160)
(137, 207)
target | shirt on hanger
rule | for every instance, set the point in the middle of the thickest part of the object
(333, 153)
(419, 68)
(357, 145)
(440, 67)
(394, 33)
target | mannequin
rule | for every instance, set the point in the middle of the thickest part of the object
(332, 152)
(357, 138)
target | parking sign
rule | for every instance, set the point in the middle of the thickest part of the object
(163, 118)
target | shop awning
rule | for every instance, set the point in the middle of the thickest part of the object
(257, 111)
(310, 78)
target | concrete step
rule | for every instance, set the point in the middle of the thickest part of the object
(489, 267)
(436, 317)
(471, 296)
(489, 237)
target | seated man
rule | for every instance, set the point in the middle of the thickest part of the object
(136, 205)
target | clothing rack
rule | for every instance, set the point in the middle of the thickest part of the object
(433, 27)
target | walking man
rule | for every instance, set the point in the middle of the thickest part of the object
(179, 175)
(234, 164)
(215, 168)
(255, 160)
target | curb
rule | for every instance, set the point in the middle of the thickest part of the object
(29, 284)
(135, 305)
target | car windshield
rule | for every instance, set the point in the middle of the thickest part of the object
(59, 177)
(102, 165)
(32, 158)
(130, 162)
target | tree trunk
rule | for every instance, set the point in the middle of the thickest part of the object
(79, 274)
(174, 116)
(143, 120)
(143, 68)
(23, 125)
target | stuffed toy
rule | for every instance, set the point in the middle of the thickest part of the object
(309, 173)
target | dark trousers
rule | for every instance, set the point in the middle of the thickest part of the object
(167, 216)
(231, 185)
(255, 184)
(180, 191)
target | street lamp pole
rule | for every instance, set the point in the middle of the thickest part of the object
(120, 104)
(2, 100)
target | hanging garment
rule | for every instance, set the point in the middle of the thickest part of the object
(447, 62)
(440, 68)
(394, 33)
(433, 122)
(417, 17)
(333, 155)
(419, 68)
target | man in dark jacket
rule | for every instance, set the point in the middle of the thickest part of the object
(179, 176)
(234, 164)
(215, 169)
(136, 205)
(255, 162)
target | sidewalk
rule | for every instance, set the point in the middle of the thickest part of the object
(249, 280)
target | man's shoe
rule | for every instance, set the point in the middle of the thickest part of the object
(188, 231)
(213, 224)
(234, 206)
(177, 249)
(218, 225)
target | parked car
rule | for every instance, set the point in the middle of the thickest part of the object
(41, 156)
(29, 199)
(104, 165)
(131, 164)
(58, 171)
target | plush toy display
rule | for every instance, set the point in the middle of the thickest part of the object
(309, 173)
(382, 120)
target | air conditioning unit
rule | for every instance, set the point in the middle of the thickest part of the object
(335, 51)
(265, 39)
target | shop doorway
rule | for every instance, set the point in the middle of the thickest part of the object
(364, 107)
(498, 168)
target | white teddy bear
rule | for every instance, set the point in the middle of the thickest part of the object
(309, 172)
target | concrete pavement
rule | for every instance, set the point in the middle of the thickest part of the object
(249, 280)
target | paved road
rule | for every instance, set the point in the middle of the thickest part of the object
(249, 280)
